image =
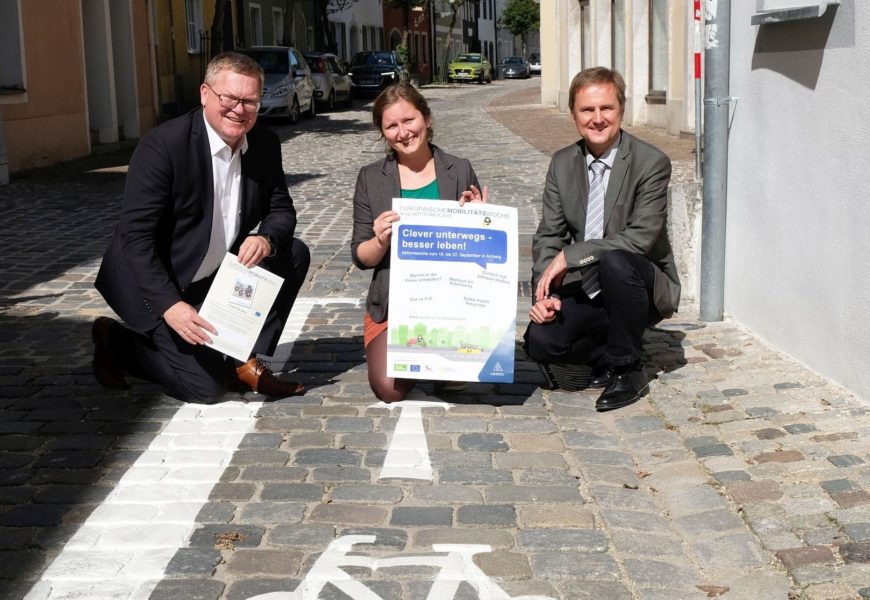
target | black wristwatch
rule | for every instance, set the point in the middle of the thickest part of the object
(271, 241)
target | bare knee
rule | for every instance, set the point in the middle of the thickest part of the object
(390, 389)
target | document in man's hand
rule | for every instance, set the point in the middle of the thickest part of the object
(237, 305)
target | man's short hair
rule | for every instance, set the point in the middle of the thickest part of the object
(235, 62)
(593, 76)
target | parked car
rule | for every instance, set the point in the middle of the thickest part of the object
(331, 82)
(373, 70)
(515, 67)
(535, 63)
(287, 88)
(470, 67)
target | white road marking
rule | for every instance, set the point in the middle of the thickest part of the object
(123, 548)
(455, 564)
(408, 453)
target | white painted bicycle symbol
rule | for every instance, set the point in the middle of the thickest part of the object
(454, 561)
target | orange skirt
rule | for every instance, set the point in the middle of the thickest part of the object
(371, 330)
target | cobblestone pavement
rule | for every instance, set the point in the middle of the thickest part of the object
(743, 475)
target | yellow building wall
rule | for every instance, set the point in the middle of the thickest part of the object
(178, 72)
(52, 125)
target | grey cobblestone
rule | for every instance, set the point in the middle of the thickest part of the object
(739, 463)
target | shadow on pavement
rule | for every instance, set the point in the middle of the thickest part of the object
(64, 441)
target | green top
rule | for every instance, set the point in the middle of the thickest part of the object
(427, 192)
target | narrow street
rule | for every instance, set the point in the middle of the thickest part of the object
(743, 475)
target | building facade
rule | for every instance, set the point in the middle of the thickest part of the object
(73, 76)
(358, 26)
(650, 42)
(419, 32)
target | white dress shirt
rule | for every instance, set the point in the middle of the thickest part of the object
(226, 167)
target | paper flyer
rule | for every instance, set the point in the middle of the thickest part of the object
(453, 291)
(237, 304)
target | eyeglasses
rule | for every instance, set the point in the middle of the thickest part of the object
(230, 102)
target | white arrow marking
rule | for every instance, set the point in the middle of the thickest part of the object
(408, 454)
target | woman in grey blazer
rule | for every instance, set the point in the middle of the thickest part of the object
(413, 168)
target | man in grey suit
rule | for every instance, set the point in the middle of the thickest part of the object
(603, 266)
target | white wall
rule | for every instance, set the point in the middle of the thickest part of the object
(798, 240)
(363, 13)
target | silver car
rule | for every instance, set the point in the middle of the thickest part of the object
(514, 67)
(287, 90)
(331, 82)
(535, 63)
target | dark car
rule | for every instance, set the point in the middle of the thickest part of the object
(514, 67)
(373, 70)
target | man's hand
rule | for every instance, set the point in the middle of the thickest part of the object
(253, 250)
(187, 323)
(552, 276)
(544, 311)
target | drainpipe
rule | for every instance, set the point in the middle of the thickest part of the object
(715, 170)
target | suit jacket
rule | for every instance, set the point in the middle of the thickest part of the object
(376, 186)
(166, 215)
(635, 215)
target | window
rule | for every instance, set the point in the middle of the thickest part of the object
(193, 16)
(12, 63)
(658, 49)
(617, 32)
(338, 34)
(277, 26)
(256, 25)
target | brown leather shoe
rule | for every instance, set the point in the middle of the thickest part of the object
(107, 371)
(259, 377)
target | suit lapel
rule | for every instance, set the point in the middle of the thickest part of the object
(448, 185)
(582, 178)
(617, 177)
(202, 160)
(248, 187)
(390, 183)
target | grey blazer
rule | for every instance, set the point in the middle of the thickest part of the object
(376, 186)
(635, 215)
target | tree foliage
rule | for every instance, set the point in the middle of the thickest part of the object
(521, 16)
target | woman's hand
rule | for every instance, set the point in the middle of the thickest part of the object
(473, 194)
(383, 227)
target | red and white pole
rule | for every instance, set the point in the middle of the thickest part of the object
(698, 93)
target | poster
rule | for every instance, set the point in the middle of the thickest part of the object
(453, 291)
(237, 304)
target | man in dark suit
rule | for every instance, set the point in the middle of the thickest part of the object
(198, 186)
(603, 266)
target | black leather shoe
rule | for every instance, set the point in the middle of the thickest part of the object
(626, 386)
(600, 377)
